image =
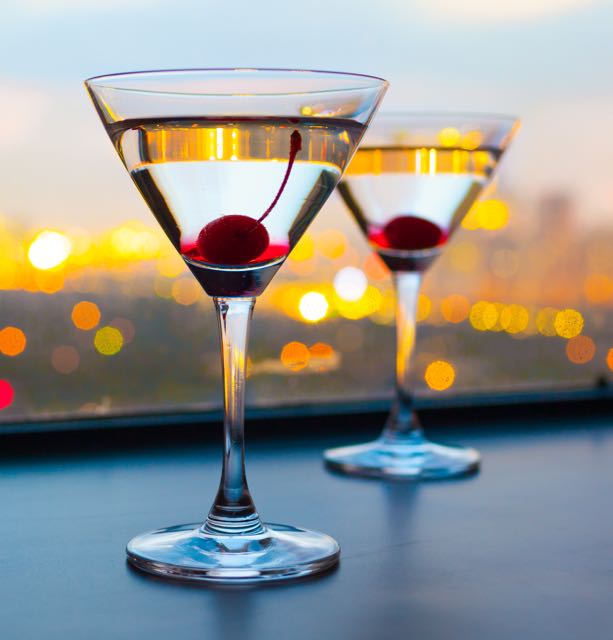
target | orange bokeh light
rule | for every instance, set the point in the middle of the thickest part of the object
(440, 375)
(598, 288)
(455, 308)
(295, 356)
(580, 349)
(12, 341)
(610, 359)
(85, 315)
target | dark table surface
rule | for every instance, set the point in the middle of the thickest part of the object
(523, 550)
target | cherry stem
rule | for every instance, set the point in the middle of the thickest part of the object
(295, 146)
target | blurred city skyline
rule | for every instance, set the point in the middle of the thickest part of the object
(543, 60)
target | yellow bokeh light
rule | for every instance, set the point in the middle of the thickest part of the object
(295, 356)
(471, 140)
(484, 315)
(135, 241)
(313, 306)
(186, 291)
(108, 341)
(545, 321)
(304, 249)
(449, 137)
(580, 349)
(455, 308)
(85, 315)
(598, 288)
(439, 375)
(514, 318)
(366, 305)
(49, 250)
(568, 323)
(386, 312)
(12, 341)
(171, 266)
(332, 244)
(493, 214)
(424, 306)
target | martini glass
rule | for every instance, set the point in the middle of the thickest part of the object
(409, 187)
(234, 164)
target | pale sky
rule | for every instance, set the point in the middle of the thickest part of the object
(549, 61)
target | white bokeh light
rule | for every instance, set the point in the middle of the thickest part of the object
(313, 306)
(350, 284)
(49, 250)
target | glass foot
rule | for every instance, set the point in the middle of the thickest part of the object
(280, 552)
(415, 461)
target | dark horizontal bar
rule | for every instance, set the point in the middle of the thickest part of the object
(425, 405)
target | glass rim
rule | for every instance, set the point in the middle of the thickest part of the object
(100, 81)
(485, 116)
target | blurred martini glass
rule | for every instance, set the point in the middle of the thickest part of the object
(409, 186)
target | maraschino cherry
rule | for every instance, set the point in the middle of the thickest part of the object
(236, 239)
(412, 233)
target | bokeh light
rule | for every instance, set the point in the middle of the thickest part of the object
(568, 323)
(171, 266)
(424, 307)
(490, 215)
(49, 250)
(514, 318)
(471, 140)
(12, 341)
(186, 291)
(545, 321)
(85, 315)
(610, 359)
(313, 306)
(322, 357)
(598, 288)
(65, 359)
(580, 349)
(332, 244)
(439, 375)
(135, 241)
(295, 356)
(386, 313)
(449, 137)
(7, 394)
(108, 341)
(350, 283)
(127, 328)
(304, 249)
(484, 315)
(365, 306)
(493, 214)
(49, 281)
(455, 308)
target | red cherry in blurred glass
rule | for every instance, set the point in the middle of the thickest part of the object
(412, 233)
(232, 239)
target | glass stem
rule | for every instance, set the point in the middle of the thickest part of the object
(233, 512)
(402, 424)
